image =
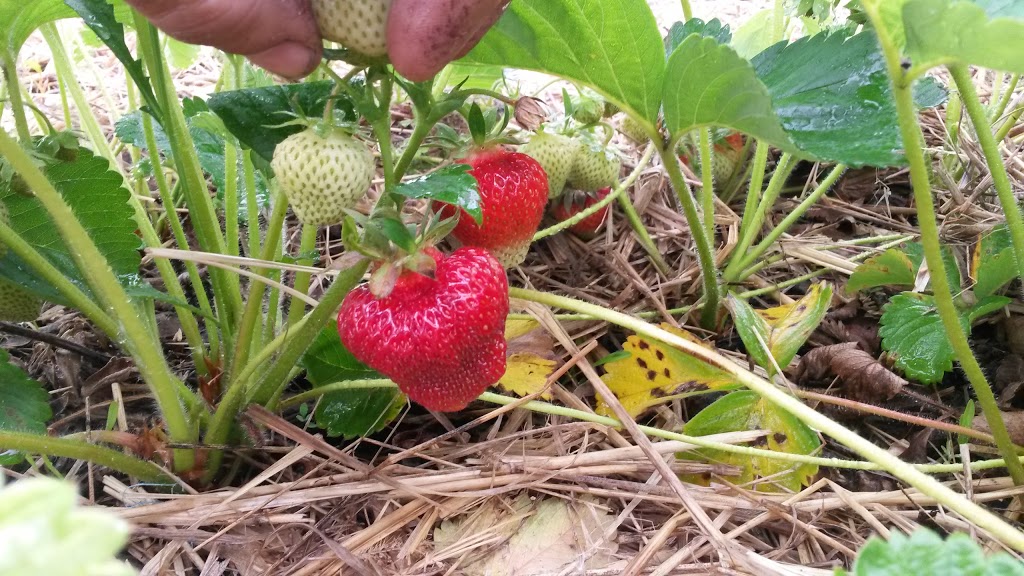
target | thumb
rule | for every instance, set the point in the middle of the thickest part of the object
(279, 35)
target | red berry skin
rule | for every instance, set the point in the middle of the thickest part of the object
(441, 339)
(575, 203)
(513, 193)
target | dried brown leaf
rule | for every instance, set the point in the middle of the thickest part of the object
(864, 378)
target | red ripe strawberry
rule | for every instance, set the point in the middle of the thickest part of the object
(575, 202)
(513, 193)
(441, 339)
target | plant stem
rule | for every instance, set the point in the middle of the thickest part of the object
(231, 199)
(752, 255)
(80, 450)
(277, 376)
(994, 160)
(750, 228)
(687, 11)
(301, 284)
(334, 387)
(1000, 108)
(778, 396)
(422, 128)
(707, 190)
(705, 252)
(10, 72)
(133, 333)
(913, 143)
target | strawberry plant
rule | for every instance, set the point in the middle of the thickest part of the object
(322, 241)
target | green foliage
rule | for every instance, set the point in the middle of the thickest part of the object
(452, 185)
(680, 31)
(993, 264)
(99, 16)
(18, 20)
(989, 34)
(746, 410)
(890, 268)
(349, 413)
(47, 532)
(613, 46)
(924, 552)
(255, 115)
(24, 404)
(99, 200)
(842, 112)
(912, 332)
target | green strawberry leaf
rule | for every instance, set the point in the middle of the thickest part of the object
(913, 333)
(100, 18)
(211, 137)
(755, 35)
(924, 552)
(843, 112)
(890, 268)
(348, 413)
(99, 199)
(452, 185)
(746, 410)
(915, 251)
(253, 114)
(680, 31)
(993, 264)
(708, 84)
(24, 403)
(988, 34)
(782, 330)
(18, 20)
(612, 46)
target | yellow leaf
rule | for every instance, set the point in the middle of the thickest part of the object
(514, 328)
(654, 373)
(527, 374)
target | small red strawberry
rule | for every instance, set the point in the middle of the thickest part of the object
(575, 202)
(513, 193)
(441, 339)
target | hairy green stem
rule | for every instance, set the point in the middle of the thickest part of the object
(231, 199)
(296, 307)
(752, 255)
(705, 251)
(276, 377)
(749, 229)
(925, 484)
(687, 11)
(707, 189)
(998, 110)
(990, 147)
(81, 450)
(227, 288)
(913, 144)
(134, 334)
(420, 130)
(9, 66)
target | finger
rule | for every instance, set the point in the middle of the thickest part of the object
(280, 35)
(425, 35)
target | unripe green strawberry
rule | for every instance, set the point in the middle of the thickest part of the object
(587, 107)
(18, 304)
(322, 176)
(359, 25)
(632, 129)
(595, 168)
(555, 153)
(440, 338)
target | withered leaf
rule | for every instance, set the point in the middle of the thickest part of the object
(864, 378)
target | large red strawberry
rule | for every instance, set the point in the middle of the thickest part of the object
(575, 202)
(441, 339)
(513, 193)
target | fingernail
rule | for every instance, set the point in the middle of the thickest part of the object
(290, 60)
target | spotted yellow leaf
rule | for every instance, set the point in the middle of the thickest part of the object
(531, 358)
(746, 410)
(653, 373)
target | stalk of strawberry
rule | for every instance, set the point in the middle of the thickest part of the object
(438, 334)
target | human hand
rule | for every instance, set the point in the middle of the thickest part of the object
(282, 36)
